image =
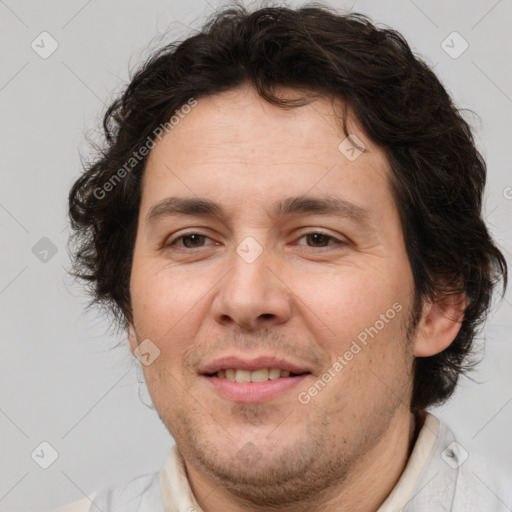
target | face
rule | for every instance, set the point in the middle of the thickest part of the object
(296, 264)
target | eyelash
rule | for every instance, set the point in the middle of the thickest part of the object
(186, 235)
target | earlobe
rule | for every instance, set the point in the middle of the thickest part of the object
(439, 324)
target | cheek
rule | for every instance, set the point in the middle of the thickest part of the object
(162, 297)
(349, 300)
(169, 308)
(357, 317)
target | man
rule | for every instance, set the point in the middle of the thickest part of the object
(286, 220)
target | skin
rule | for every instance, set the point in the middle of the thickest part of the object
(303, 298)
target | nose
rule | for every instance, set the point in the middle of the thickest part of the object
(253, 294)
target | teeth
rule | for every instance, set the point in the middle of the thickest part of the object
(274, 373)
(261, 375)
(243, 376)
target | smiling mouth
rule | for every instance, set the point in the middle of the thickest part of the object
(260, 375)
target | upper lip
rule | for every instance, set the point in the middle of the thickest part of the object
(251, 364)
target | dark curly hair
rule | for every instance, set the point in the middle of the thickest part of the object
(437, 177)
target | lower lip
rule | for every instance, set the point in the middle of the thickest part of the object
(254, 392)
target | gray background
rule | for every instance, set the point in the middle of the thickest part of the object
(61, 380)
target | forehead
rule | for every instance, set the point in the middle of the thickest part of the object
(239, 148)
(240, 118)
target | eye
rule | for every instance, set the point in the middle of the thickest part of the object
(190, 240)
(320, 239)
(195, 240)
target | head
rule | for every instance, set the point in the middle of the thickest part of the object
(325, 214)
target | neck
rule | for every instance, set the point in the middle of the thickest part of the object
(364, 490)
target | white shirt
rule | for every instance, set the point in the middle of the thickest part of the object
(440, 475)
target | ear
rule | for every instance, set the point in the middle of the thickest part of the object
(132, 337)
(439, 324)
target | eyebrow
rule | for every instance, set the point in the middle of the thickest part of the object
(289, 206)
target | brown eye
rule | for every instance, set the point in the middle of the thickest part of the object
(317, 239)
(194, 240)
(189, 241)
